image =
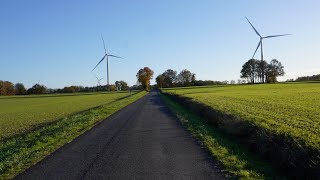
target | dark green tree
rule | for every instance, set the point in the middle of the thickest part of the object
(169, 76)
(20, 89)
(71, 89)
(261, 70)
(185, 77)
(193, 79)
(124, 86)
(249, 70)
(160, 81)
(275, 69)
(37, 89)
(118, 85)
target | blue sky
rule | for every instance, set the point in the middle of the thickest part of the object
(58, 42)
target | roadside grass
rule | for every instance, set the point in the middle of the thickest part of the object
(22, 151)
(234, 157)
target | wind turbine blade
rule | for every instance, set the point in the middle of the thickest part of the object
(99, 62)
(104, 46)
(277, 35)
(253, 27)
(114, 56)
(256, 48)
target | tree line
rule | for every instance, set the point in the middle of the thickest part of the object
(260, 71)
(170, 78)
(8, 88)
(118, 86)
(309, 78)
(254, 71)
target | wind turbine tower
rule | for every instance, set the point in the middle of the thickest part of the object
(106, 56)
(260, 42)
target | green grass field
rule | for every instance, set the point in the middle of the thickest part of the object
(290, 109)
(48, 122)
(20, 114)
(234, 157)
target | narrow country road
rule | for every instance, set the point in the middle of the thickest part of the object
(142, 141)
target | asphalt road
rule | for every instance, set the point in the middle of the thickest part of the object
(142, 141)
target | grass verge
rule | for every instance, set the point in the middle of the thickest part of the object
(20, 152)
(235, 158)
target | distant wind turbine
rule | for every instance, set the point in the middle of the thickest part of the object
(106, 56)
(98, 84)
(260, 42)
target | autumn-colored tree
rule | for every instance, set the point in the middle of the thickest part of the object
(111, 87)
(144, 76)
(6, 88)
